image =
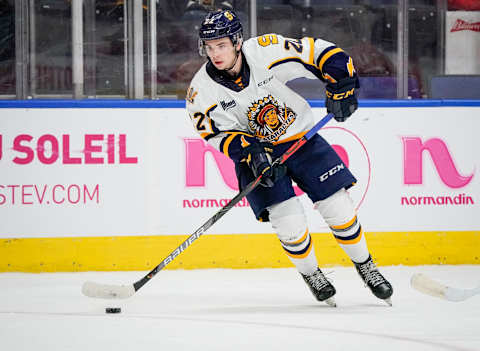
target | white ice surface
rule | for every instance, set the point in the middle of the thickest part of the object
(264, 309)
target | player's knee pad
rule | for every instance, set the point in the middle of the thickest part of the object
(288, 220)
(337, 209)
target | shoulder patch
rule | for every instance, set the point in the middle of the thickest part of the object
(191, 94)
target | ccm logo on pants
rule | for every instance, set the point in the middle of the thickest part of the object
(331, 172)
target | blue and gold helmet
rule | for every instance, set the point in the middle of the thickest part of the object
(220, 24)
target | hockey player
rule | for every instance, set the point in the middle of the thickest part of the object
(239, 103)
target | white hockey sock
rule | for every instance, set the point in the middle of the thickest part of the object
(302, 254)
(289, 222)
(351, 239)
(339, 213)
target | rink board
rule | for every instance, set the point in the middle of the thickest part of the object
(124, 253)
(112, 185)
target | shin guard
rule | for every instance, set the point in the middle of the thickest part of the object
(289, 222)
(339, 213)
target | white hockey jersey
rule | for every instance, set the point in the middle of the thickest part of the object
(261, 105)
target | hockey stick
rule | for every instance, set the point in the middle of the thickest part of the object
(92, 289)
(428, 286)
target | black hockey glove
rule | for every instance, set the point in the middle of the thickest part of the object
(341, 99)
(258, 158)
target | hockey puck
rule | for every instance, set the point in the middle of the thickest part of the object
(113, 310)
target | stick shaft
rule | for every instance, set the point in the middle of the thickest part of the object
(220, 213)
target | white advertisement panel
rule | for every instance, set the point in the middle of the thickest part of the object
(103, 172)
(462, 51)
(71, 172)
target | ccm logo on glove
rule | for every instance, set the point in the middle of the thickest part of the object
(340, 96)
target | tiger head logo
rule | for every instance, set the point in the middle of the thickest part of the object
(268, 119)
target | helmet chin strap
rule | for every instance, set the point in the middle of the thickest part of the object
(237, 53)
